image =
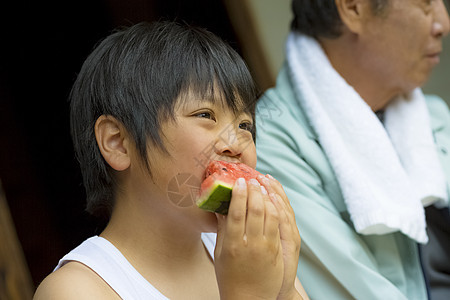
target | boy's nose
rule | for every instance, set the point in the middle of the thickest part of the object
(228, 144)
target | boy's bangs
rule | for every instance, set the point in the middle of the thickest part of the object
(228, 84)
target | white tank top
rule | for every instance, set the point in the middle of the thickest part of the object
(106, 260)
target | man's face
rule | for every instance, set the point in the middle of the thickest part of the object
(403, 45)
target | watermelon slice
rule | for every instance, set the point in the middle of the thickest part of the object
(215, 191)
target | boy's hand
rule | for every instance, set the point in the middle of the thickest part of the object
(289, 235)
(249, 254)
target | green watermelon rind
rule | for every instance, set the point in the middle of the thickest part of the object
(218, 199)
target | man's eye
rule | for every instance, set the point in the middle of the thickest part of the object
(246, 126)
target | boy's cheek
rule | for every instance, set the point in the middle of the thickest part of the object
(249, 155)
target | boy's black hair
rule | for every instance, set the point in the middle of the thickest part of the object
(137, 75)
(320, 18)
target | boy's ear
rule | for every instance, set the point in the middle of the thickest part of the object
(354, 13)
(112, 140)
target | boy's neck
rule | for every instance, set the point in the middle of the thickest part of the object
(139, 232)
(163, 253)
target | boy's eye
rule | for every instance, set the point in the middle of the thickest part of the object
(205, 114)
(246, 126)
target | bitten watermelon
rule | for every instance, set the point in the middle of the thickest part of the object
(215, 191)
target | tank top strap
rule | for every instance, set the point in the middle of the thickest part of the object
(106, 260)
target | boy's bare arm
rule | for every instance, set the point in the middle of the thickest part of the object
(74, 281)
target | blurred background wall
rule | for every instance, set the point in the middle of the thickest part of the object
(43, 47)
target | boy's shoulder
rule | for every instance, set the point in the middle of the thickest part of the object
(74, 281)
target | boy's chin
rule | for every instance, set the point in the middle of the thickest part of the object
(211, 223)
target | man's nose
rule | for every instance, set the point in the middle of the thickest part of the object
(441, 22)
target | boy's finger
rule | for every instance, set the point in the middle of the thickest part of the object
(274, 187)
(288, 210)
(255, 210)
(265, 182)
(236, 218)
(285, 225)
(271, 224)
(288, 226)
(278, 188)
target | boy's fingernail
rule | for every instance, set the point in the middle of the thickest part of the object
(254, 181)
(241, 183)
(263, 190)
(270, 176)
(264, 180)
(273, 197)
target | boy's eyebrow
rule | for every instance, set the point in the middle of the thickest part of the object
(239, 112)
(249, 116)
(217, 97)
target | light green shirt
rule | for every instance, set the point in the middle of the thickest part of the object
(335, 261)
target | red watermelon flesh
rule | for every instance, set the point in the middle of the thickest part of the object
(215, 191)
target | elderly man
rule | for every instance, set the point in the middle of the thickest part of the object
(362, 153)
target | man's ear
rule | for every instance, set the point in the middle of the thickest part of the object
(113, 142)
(353, 13)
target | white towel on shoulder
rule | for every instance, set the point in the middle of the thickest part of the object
(386, 173)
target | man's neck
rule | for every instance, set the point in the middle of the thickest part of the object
(347, 60)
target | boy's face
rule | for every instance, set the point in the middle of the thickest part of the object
(203, 131)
